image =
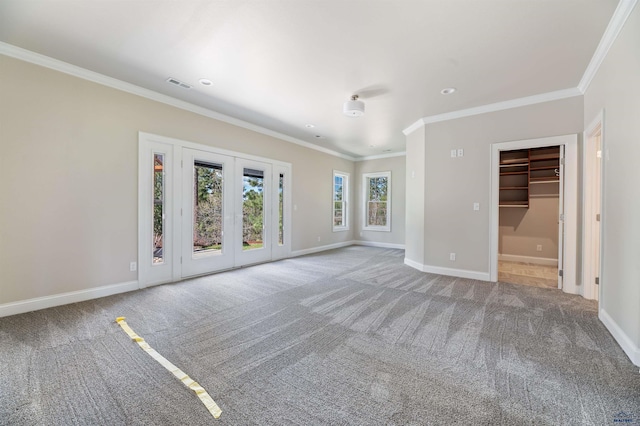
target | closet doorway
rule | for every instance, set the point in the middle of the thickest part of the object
(530, 176)
(530, 210)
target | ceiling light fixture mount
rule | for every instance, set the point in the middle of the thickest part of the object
(205, 82)
(353, 107)
(448, 90)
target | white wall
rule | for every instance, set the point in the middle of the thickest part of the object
(616, 90)
(522, 230)
(415, 208)
(68, 179)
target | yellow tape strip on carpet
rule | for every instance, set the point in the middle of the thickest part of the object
(181, 375)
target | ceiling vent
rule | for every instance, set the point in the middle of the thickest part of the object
(176, 82)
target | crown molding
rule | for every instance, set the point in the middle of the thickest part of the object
(377, 157)
(619, 18)
(498, 106)
(415, 126)
(85, 74)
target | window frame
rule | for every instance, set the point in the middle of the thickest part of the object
(345, 201)
(365, 200)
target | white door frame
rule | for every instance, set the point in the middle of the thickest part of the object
(172, 271)
(561, 224)
(570, 143)
(589, 208)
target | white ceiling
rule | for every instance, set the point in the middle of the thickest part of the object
(284, 64)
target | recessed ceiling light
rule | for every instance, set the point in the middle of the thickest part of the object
(309, 126)
(448, 90)
(205, 82)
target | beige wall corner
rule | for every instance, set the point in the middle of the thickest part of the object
(615, 89)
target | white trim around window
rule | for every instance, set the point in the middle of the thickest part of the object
(340, 206)
(377, 201)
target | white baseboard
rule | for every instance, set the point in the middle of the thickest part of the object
(462, 273)
(627, 345)
(22, 306)
(376, 244)
(413, 264)
(529, 259)
(297, 253)
(318, 249)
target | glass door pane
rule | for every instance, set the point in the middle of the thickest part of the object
(208, 208)
(157, 254)
(252, 209)
(281, 209)
(253, 212)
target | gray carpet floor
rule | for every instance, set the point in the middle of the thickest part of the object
(350, 336)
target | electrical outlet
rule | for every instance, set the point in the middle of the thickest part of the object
(318, 239)
(453, 153)
(361, 233)
(452, 256)
(460, 152)
(539, 247)
(133, 266)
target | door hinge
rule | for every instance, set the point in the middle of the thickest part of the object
(180, 211)
(597, 280)
(562, 217)
(598, 217)
(562, 161)
(181, 260)
(560, 272)
(181, 163)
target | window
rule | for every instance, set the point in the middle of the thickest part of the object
(377, 199)
(158, 209)
(281, 210)
(340, 201)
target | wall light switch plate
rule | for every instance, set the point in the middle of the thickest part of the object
(452, 256)
(476, 206)
(453, 153)
(133, 266)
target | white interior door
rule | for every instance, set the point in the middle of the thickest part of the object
(595, 219)
(207, 212)
(561, 221)
(253, 227)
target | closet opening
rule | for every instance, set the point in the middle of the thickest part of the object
(530, 225)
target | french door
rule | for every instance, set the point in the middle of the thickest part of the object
(253, 212)
(203, 210)
(207, 214)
